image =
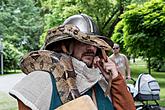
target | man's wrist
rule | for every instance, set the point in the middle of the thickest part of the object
(115, 74)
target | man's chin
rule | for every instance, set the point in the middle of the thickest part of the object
(87, 60)
(88, 63)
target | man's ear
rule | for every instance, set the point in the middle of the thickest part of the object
(63, 47)
(67, 46)
(71, 45)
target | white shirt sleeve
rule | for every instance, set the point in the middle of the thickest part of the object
(34, 90)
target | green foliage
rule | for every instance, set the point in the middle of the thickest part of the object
(144, 29)
(118, 36)
(158, 64)
(21, 26)
(104, 12)
(100, 11)
(22, 19)
(11, 56)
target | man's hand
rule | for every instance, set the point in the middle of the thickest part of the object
(106, 67)
(128, 77)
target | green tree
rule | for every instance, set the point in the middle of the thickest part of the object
(144, 30)
(21, 25)
(117, 37)
(11, 57)
(22, 19)
(105, 13)
(118, 34)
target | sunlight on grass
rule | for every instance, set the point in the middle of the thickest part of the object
(7, 102)
(11, 72)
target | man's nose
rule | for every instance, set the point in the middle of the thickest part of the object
(91, 47)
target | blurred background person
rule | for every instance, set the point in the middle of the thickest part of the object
(121, 62)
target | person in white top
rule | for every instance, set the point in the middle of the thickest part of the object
(121, 62)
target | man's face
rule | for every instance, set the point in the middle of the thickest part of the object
(84, 52)
(116, 49)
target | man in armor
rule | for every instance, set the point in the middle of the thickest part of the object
(71, 64)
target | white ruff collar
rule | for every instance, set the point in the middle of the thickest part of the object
(86, 77)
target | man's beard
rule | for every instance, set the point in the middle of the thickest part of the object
(91, 54)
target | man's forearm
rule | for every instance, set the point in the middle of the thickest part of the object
(22, 106)
(121, 98)
(129, 72)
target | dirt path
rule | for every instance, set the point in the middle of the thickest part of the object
(8, 81)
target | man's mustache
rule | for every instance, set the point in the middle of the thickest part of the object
(90, 53)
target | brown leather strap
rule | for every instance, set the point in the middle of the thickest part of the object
(121, 98)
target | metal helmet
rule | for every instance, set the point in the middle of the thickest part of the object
(86, 24)
(80, 27)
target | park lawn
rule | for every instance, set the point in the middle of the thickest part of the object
(7, 102)
(140, 67)
(11, 72)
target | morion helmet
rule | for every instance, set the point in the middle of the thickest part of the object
(86, 25)
(80, 27)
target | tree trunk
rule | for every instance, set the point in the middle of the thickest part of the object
(134, 60)
(149, 65)
(106, 23)
(121, 10)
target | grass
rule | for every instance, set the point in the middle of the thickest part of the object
(7, 103)
(140, 67)
(11, 72)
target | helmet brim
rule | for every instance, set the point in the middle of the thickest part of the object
(71, 31)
